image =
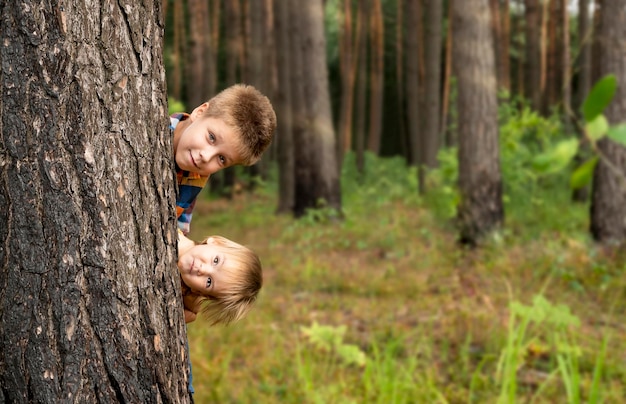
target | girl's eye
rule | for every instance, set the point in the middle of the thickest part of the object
(222, 160)
(216, 260)
(209, 281)
(211, 137)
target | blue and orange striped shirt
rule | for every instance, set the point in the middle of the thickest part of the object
(189, 185)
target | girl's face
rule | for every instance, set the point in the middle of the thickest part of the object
(202, 269)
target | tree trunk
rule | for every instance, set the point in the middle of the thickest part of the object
(178, 54)
(608, 201)
(447, 77)
(348, 74)
(234, 43)
(216, 8)
(505, 58)
(432, 96)
(585, 40)
(361, 96)
(400, 78)
(200, 65)
(377, 75)
(258, 65)
(90, 305)
(283, 105)
(532, 84)
(412, 44)
(317, 176)
(480, 209)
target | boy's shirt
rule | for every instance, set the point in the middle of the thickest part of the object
(189, 185)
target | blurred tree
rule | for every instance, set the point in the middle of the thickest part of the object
(235, 49)
(284, 106)
(261, 44)
(316, 174)
(532, 86)
(179, 53)
(480, 209)
(90, 309)
(608, 201)
(348, 75)
(585, 39)
(413, 48)
(362, 84)
(430, 136)
(400, 78)
(447, 79)
(201, 64)
(377, 77)
(500, 23)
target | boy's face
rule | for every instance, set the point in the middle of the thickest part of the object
(207, 145)
(202, 269)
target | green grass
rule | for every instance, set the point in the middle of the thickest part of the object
(384, 307)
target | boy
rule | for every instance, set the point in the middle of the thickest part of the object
(219, 274)
(234, 127)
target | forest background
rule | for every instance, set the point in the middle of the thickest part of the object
(442, 215)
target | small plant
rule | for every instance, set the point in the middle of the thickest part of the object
(519, 342)
(329, 339)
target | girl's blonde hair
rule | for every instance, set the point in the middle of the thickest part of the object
(246, 279)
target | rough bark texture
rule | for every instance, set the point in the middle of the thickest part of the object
(480, 183)
(317, 176)
(90, 308)
(608, 204)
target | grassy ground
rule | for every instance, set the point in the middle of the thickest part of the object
(384, 307)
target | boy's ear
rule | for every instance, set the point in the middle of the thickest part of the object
(199, 110)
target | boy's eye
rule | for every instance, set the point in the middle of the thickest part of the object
(222, 160)
(211, 137)
(216, 260)
(209, 281)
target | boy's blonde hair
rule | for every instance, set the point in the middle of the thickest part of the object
(246, 279)
(244, 108)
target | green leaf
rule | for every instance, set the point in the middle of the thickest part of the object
(599, 97)
(597, 128)
(583, 174)
(557, 158)
(618, 133)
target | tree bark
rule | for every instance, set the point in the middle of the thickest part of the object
(200, 66)
(90, 309)
(532, 84)
(284, 107)
(377, 76)
(361, 78)
(608, 201)
(480, 210)
(585, 40)
(413, 50)
(432, 96)
(317, 176)
(348, 74)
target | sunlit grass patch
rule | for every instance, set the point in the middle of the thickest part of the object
(431, 318)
